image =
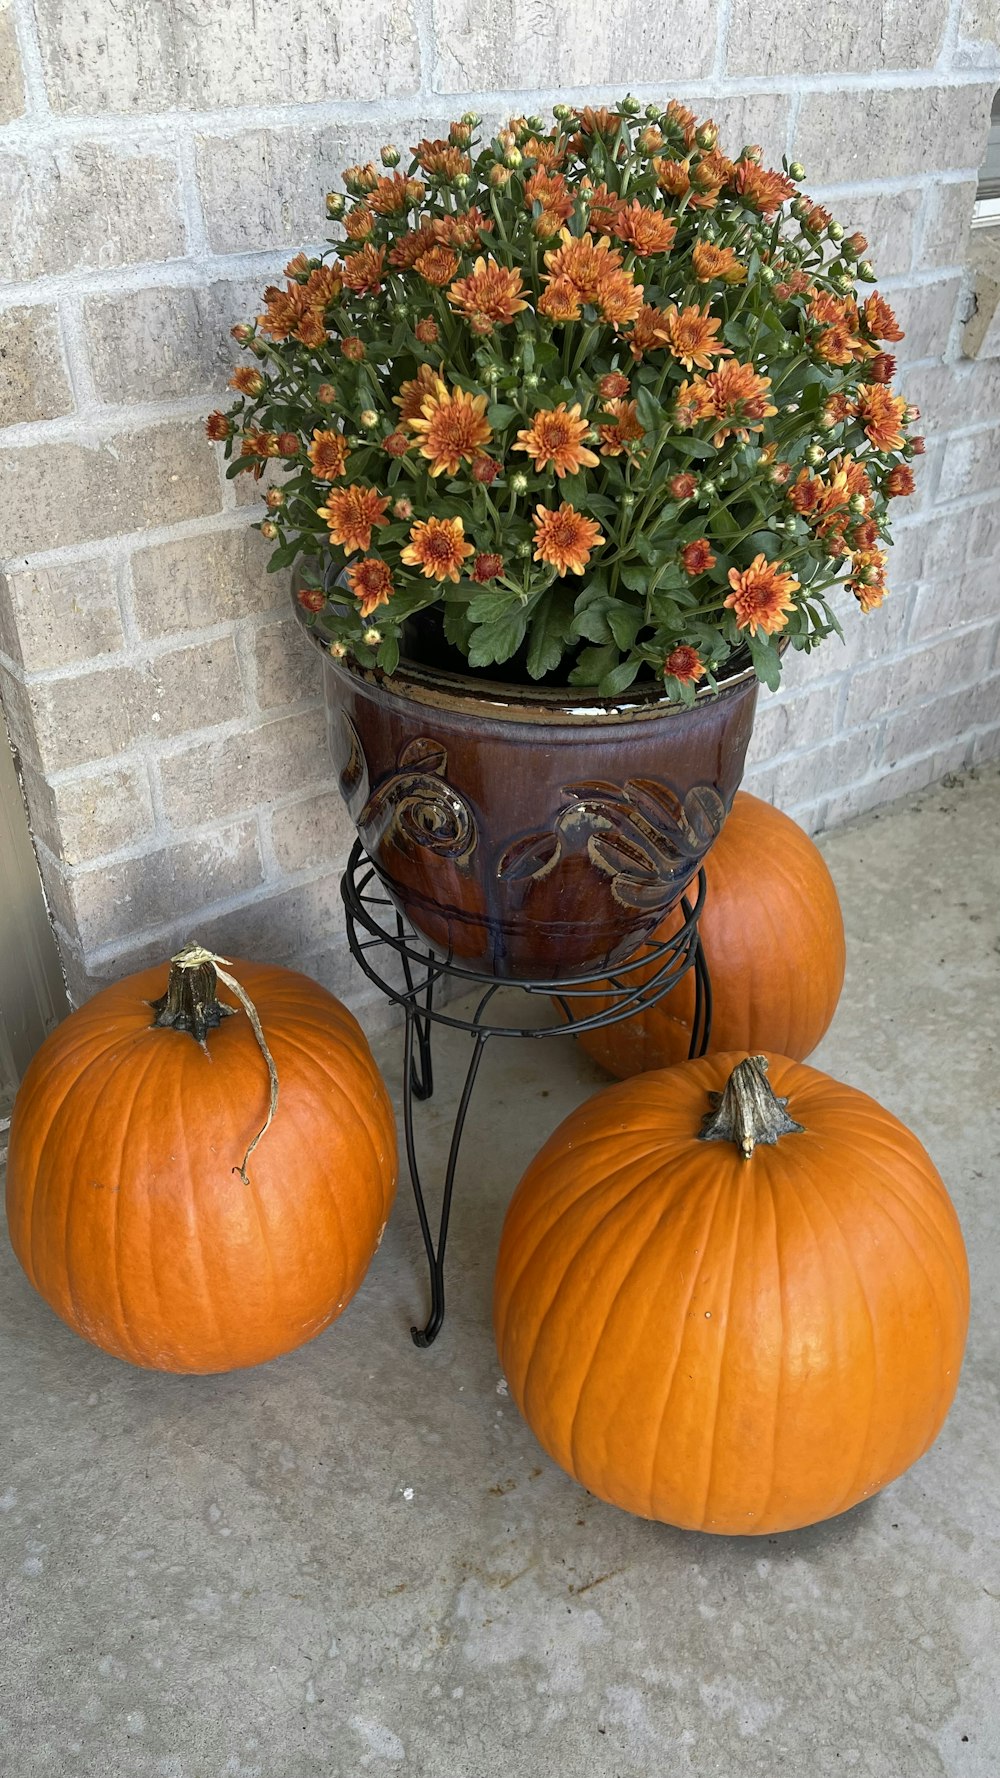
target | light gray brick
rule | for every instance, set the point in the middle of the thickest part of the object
(87, 206)
(984, 747)
(287, 666)
(981, 332)
(137, 57)
(748, 117)
(112, 901)
(11, 74)
(315, 830)
(58, 494)
(984, 532)
(894, 781)
(191, 583)
(52, 616)
(84, 817)
(878, 691)
(888, 220)
(978, 35)
(949, 218)
(784, 724)
(775, 37)
(805, 777)
(34, 384)
(507, 45)
(155, 345)
(929, 550)
(67, 722)
(266, 188)
(901, 132)
(941, 722)
(953, 395)
(950, 603)
(235, 772)
(971, 465)
(925, 313)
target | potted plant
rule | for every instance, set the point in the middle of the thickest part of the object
(577, 428)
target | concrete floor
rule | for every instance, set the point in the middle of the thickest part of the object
(357, 1560)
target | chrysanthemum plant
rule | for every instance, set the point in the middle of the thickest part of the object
(609, 399)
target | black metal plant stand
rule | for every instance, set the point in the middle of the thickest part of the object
(377, 935)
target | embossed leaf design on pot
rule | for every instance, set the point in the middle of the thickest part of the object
(640, 834)
(418, 807)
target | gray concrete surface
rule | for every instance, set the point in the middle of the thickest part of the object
(357, 1561)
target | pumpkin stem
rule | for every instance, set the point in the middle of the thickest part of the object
(190, 1004)
(749, 1111)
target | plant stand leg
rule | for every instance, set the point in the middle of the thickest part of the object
(701, 1024)
(412, 1083)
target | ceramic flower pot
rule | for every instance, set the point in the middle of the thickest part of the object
(534, 833)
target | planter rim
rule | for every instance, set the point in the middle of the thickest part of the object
(463, 695)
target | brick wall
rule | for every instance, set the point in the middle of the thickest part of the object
(154, 172)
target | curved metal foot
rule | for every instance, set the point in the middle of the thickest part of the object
(426, 1335)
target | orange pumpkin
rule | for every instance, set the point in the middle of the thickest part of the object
(125, 1200)
(774, 943)
(741, 1334)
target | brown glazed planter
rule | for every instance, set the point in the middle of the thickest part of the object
(533, 833)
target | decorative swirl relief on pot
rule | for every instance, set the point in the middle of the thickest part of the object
(354, 785)
(640, 834)
(416, 807)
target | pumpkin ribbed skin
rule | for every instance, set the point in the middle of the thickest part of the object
(122, 1202)
(732, 1345)
(774, 942)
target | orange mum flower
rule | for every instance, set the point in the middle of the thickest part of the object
(437, 264)
(218, 428)
(352, 513)
(360, 224)
(442, 158)
(622, 430)
(311, 598)
(487, 567)
(556, 436)
(691, 336)
(438, 547)
(585, 263)
(739, 398)
(613, 385)
(646, 231)
(284, 311)
(462, 228)
(761, 596)
(565, 538)
(602, 209)
(406, 249)
(682, 486)
(247, 380)
(711, 263)
(899, 481)
(762, 189)
(672, 177)
(881, 368)
(649, 331)
(560, 300)
(426, 330)
(678, 117)
(551, 191)
(451, 427)
(327, 454)
(881, 414)
(490, 291)
(392, 196)
(880, 320)
(414, 392)
(363, 270)
(371, 583)
(684, 663)
(693, 402)
(619, 298)
(548, 153)
(697, 557)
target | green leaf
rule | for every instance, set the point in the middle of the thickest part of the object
(652, 413)
(766, 661)
(592, 664)
(457, 627)
(619, 679)
(500, 415)
(625, 622)
(549, 625)
(487, 606)
(636, 576)
(388, 654)
(496, 642)
(592, 623)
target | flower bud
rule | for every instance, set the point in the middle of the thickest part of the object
(288, 444)
(626, 502)
(842, 281)
(499, 176)
(460, 135)
(912, 414)
(400, 310)
(311, 598)
(426, 330)
(472, 118)
(866, 272)
(564, 112)
(462, 181)
(707, 136)
(269, 531)
(513, 157)
(403, 508)
(683, 486)
(368, 418)
(338, 650)
(397, 444)
(536, 125)
(390, 156)
(854, 245)
(371, 638)
(708, 487)
(485, 469)
(835, 231)
(492, 374)
(274, 498)
(629, 106)
(796, 170)
(827, 420)
(531, 379)
(815, 454)
(326, 395)
(751, 151)
(353, 349)
(243, 332)
(335, 205)
(857, 505)
(518, 483)
(524, 547)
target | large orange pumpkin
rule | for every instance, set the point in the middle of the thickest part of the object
(726, 1336)
(125, 1200)
(774, 942)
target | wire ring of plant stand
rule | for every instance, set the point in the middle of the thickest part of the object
(377, 936)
